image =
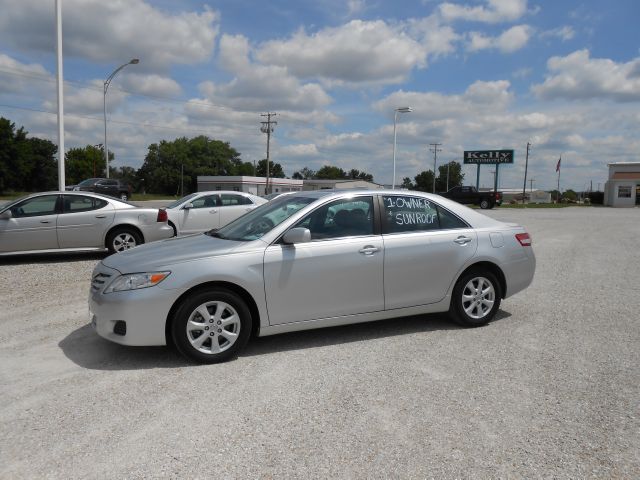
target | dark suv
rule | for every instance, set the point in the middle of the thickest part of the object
(106, 186)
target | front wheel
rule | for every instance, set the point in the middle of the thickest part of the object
(476, 299)
(122, 239)
(211, 326)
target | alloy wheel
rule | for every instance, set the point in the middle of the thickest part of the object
(213, 327)
(478, 297)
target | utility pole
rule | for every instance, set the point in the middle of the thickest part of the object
(448, 165)
(526, 166)
(267, 127)
(435, 150)
(531, 184)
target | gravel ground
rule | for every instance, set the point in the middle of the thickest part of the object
(549, 389)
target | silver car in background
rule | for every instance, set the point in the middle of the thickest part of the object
(202, 211)
(78, 220)
(309, 260)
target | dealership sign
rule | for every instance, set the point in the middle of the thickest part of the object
(488, 157)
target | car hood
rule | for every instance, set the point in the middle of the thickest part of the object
(157, 255)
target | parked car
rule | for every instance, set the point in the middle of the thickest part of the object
(310, 260)
(74, 220)
(471, 195)
(106, 186)
(203, 211)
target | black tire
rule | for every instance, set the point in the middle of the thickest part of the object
(470, 308)
(123, 238)
(124, 196)
(484, 204)
(221, 305)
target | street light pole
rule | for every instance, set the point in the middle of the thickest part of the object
(107, 82)
(395, 120)
(60, 96)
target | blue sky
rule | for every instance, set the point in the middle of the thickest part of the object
(479, 74)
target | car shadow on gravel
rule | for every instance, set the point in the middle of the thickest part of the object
(86, 349)
(61, 257)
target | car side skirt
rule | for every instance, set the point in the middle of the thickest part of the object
(439, 307)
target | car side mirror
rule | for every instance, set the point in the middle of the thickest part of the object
(6, 215)
(187, 206)
(297, 235)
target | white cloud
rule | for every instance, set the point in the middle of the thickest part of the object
(153, 85)
(359, 51)
(355, 6)
(259, 87)
(496, 11)
(111, 31)
(508, 41)
(563, 33)
(578, 76)
(16, 76)
(434, 106)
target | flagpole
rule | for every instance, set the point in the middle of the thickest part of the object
(559, 170)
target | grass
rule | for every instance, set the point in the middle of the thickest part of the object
(139, 197)
(543, 205)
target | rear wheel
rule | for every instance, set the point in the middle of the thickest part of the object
(122, 239)
(476, 298)
(124, 196)
(484, 204)
(211, 326)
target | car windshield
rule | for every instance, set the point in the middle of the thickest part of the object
(181, 200)
(263, 219)
(87, 182)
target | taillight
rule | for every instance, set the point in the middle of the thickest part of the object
(162, 216)
(524, 239)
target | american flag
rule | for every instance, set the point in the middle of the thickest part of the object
(558, 165)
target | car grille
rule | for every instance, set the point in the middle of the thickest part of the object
(99, 281)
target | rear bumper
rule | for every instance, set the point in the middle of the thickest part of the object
(153, 232)
(519, 273)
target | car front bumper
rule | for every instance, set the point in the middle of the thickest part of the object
(144, 311)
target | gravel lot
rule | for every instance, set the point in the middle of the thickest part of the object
(549, 389)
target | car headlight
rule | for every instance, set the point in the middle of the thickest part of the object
(135, 281)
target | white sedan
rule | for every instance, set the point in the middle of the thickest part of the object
(202, 211)
(51, 221)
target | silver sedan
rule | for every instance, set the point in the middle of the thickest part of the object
(310, 260)
(82, 220)
(202, 211)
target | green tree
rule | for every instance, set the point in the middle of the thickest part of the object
(407, 183)
(424, 181)
(570, 195)
(26, 164)
(83, 163)
(329, 172)
(304, 174)
(275, 169)
(161, 170)
(355, 174)
(456, 177)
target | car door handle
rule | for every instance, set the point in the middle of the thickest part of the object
(213, 211)
(462, 240)
(45, 221)
(101, 216)
(368, 250)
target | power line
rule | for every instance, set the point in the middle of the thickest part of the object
(85, 86)
(123, 122)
